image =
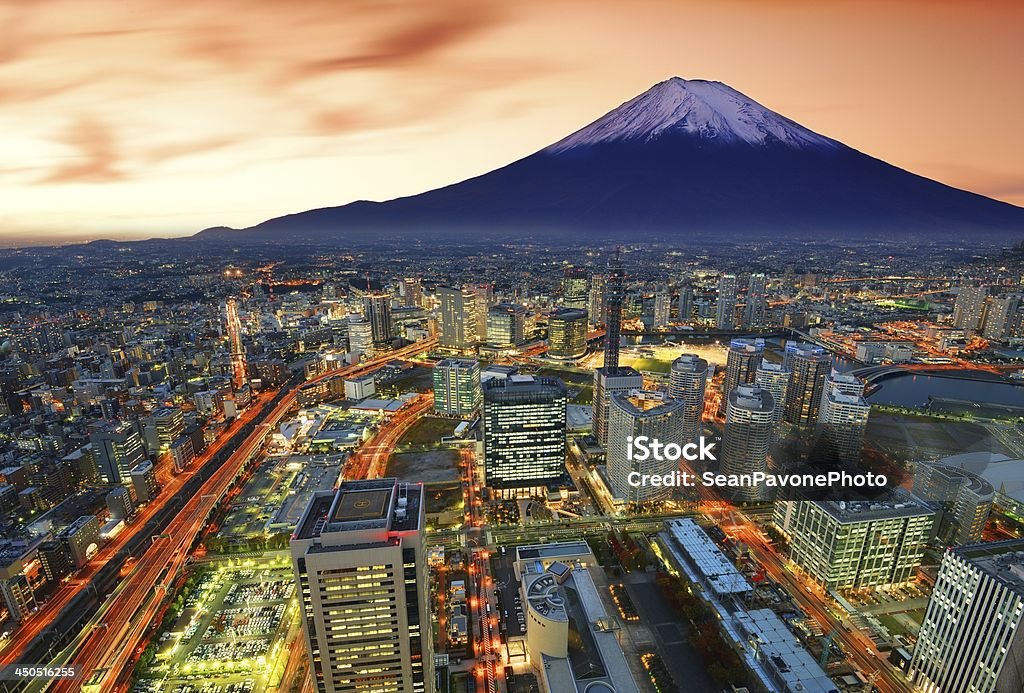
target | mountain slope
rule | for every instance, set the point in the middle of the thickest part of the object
(684, 157)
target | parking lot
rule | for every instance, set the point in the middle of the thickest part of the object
(228, 634)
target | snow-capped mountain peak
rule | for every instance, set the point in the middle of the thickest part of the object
(697, 108)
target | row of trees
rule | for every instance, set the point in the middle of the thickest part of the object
(723, 663)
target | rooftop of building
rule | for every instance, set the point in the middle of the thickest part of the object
(383, 504)
(457, 363)
(617, 372)
(805, 350)
(896, 504)
(839, 397)
(790, 663)
(752, 397)
(973, 482)
(523, 385)
(596, 661)
(552, 551)
(644, 403)
(748, 345)
(690, 363)
(564, 313)
(714, 567)
(1004, 473)
(1003, 560)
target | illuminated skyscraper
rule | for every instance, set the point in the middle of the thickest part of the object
(809, 365)
(524, 432)
(856, 544)
(1004, 317)
(641, 413)
(483, 299)
(169, 426)
(117, 449)
(611, 378)
(687, 382)
(360, 336)
(662, 307)
(842, 421)
(595, 302)
(969, 310)
(774, 377)
(963, 498)
(505, 325)
(575, 292)
(756, 315)
(725, 311)
(971, 639)
(377, 311)
(412, 292)
(567, 334)
(742, 361)
(457, 387)
(685, 303)
(749, 423)
(361, 573)
(457, 318)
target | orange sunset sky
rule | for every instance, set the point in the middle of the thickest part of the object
(134, 118)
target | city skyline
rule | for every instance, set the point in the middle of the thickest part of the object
(373, 101)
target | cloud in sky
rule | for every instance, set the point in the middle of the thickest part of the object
(152, 118)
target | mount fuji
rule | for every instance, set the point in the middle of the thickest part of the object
(685, 158)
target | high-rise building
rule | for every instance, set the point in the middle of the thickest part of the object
(971, 639)
(412, 292)
(846, 383)
(742, 361)
(458, 318)
(612, 309)
(575, 292)
(756, 315)
(969, 309)
(685, 303)
(841, 424)
(1003, 317)
(169, 426)
(725, 310)
(774, 377)
(360, 568)
(457, 387)
(144, 483)
(611, 379)
(595, 302)
(687, 382)
(808, 365)
(483, 299)
(82, 539)
(662, 307)
(377, 311)
(55, 561)
(524, 432)
(567, 334)
(641, 413)
(120, 504)
(506, 323)
(609, 382)
(749, 422)
(360, 336)
(963, 498)
(855, 544)
(117, 449)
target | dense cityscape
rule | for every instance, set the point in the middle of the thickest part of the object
(412, 467)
